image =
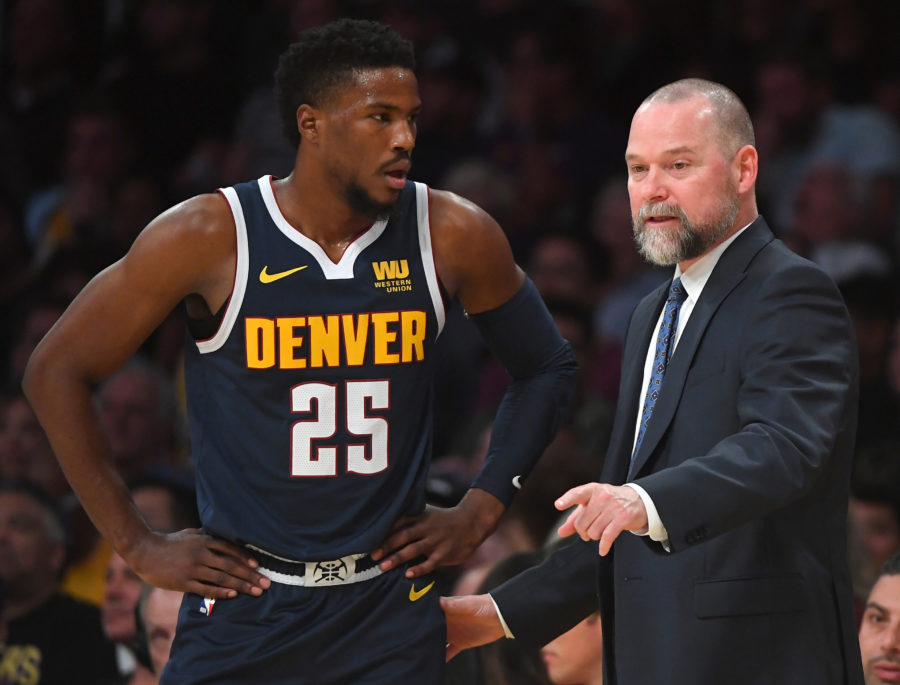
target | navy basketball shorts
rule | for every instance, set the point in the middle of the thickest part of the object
(388, 629)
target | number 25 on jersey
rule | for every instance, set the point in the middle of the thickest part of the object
(320, 460)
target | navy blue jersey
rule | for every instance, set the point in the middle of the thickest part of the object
(311, 407)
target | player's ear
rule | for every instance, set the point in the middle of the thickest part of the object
(308, 120)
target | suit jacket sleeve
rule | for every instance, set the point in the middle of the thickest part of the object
(547, 600)
(787, 377)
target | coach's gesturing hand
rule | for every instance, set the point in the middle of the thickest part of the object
(602, 512)
(190, 561)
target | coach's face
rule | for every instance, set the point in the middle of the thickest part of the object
(683, 189)
(879, 633)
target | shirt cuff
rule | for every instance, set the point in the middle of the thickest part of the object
(506, 630)
(655, 528)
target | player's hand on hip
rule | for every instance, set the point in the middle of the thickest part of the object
(190, 561)
(443, 536)
(471, 621)
(602, 511)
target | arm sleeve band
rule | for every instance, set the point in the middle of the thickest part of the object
(523, 336)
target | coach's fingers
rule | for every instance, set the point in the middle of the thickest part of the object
(580, 494)
(611, 532)
(568, 527)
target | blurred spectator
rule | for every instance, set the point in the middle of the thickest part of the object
(799, 127)
(120, 600)
(874, 510)
(566, 266)
(98, 152)
(50, 637)
(140, 415)
(25, 451)
(158, 612)
(576, 656)
(871, 299)
(879, 634)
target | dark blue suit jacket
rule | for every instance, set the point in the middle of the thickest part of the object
(747, 459)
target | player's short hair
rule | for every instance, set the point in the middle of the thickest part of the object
(735, 128)
(327, 57)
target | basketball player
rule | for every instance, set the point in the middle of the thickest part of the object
(314, 302)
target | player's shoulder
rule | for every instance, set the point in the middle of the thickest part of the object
(457, 217)
(201, 216)
(196, 235)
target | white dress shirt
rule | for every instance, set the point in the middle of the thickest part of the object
(693, 281)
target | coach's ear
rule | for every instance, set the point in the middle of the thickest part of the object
(745, 168)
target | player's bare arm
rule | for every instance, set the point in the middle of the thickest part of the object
(474, 262)
(187, 252)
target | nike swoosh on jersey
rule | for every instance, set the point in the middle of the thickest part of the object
(418, 594)
(266, 277)
(517, 482)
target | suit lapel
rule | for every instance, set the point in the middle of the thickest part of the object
(728, 272)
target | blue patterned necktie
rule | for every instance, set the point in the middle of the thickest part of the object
(664, 341)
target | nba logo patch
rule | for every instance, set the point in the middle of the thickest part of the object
(208, 605)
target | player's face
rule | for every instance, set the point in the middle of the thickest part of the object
(879, 633)
(684, 200)
(369, 136)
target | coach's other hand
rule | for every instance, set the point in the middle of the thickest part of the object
(472, 620)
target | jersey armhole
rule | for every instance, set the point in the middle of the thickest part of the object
(425, 246)
(242, 266)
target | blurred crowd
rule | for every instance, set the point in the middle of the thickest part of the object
(113, 110)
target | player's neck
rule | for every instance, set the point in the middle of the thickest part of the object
(316, 211)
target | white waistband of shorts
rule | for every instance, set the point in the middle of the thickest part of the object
(353, 568)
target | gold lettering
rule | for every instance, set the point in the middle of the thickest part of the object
(412, 339)
(287, 342)
(383, 337)
(355, 338)
(391, 270)
(260, 342)
(324, 341)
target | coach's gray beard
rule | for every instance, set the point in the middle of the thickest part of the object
(668, 247)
